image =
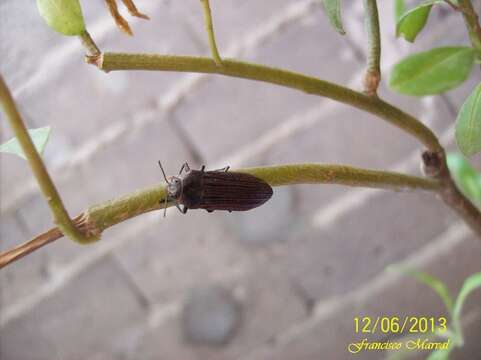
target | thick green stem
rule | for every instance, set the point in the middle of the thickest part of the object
(105, 215)
(373, 72)
(100, 217)
(49, 191)
(310, 85)
(210, 32)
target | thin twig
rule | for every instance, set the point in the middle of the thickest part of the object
(210, 32)
(100, 217)
(373, 71)
(453, 5)
(89, 44)
(240, 69)
(46, 184)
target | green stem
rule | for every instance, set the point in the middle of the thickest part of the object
(49, 191)
(100, 217)
(105, 215)
(310, 85)
(210, 32)
(472, 23)
(89, 44)
(373, 73)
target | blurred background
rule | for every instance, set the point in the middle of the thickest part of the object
(284, 281)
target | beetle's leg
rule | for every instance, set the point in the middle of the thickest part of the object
(165, 205)
(224, 169)
(129, 4)
(178, 207)
(182, 168)
(209, 211)
(184, 211)
(185, 167)
(202, 168)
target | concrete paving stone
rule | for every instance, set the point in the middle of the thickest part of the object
(361, 243)
(78, 101)
(330, 335)
(264, 316)
(75, 322)
(127, 161)
(340, 136)
(180, 252)
(248, 109)
(24, 37)
(280, 217)
(210, 316)
(132, 165)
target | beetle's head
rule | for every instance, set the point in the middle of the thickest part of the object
(174, 187)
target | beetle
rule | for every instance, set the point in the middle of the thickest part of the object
(215, 190)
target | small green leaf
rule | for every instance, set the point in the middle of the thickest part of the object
(412, 22)
(333, 11)
(472, 283)
(432, 72)
(429, 280)
(64, 16)
(466, 177)
(39, 137)
(468, 124)
(441, 354)
(399, 9)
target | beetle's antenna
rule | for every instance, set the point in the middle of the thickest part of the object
(163, 173)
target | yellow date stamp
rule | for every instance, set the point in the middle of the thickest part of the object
(422, 331)
(400, 325)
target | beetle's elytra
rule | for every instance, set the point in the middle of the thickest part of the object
(215, 190)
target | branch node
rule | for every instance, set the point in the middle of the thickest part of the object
(433, 163)
(371, 82)
(96, 60)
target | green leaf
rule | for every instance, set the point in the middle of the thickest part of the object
(64, 16)
(472, 283)
(433, 71)
(429, 280)
(412, 22)
(466, 177)
(333, 11)
(441, 354)
(399, 9)
(39, 137)
(468, 124)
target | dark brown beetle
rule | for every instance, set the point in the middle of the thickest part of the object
(215, 190)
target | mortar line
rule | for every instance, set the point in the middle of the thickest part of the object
(61, 55)
(75, 268)
(71, 271)
(167, 103)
